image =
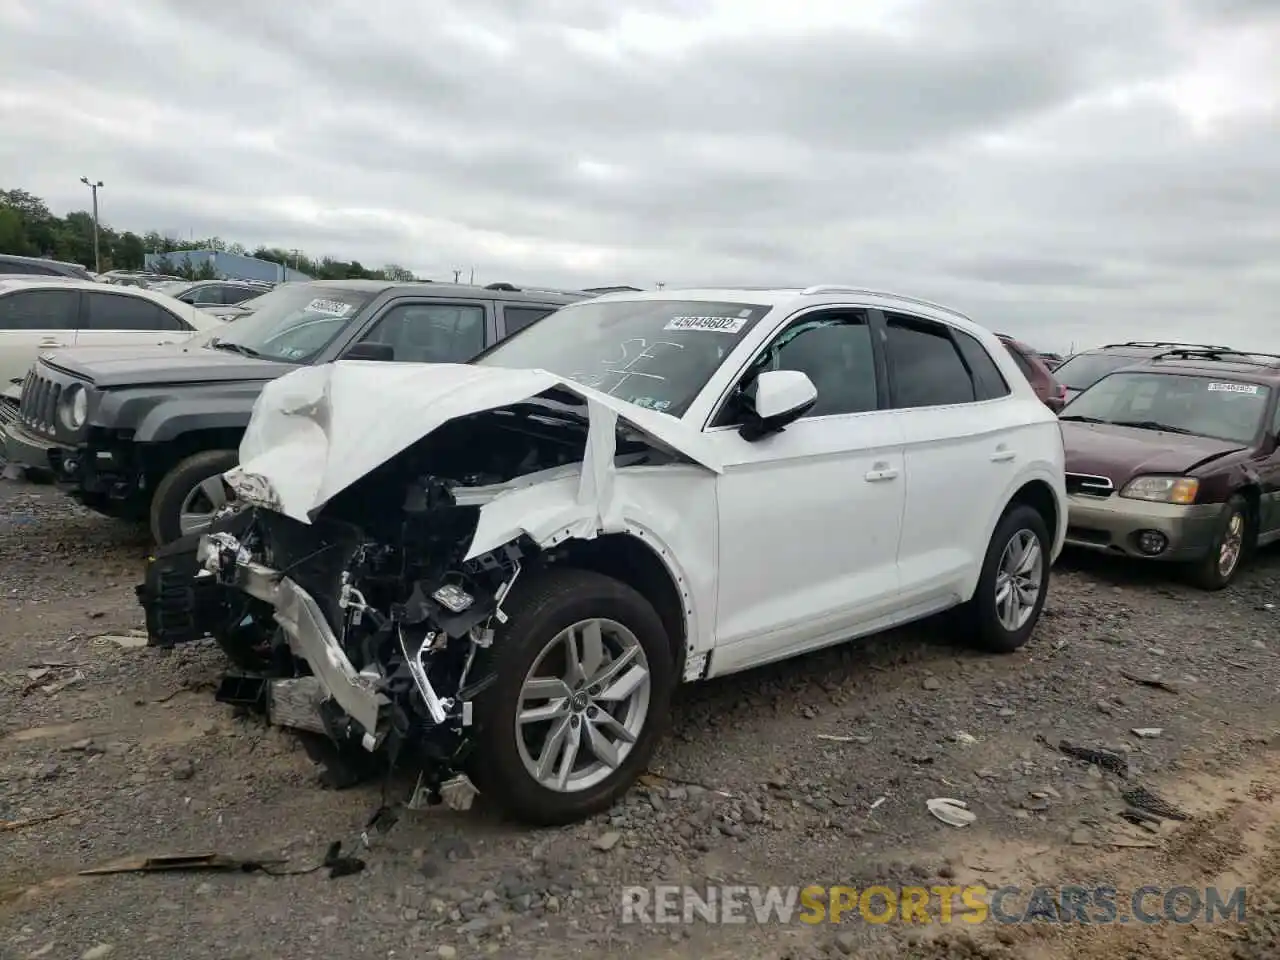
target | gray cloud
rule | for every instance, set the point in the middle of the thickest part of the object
(1046, 167)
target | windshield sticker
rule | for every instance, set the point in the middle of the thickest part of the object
(707, 324)
(651, 403)
(1249, 388)
(334, 308)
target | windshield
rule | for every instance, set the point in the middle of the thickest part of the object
(1084, 370)
(293, 323)
(654, 353)
(1179, 403)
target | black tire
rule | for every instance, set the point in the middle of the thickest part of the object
(1208, 573)
(548, 603)
(172, 490)
(979, 618)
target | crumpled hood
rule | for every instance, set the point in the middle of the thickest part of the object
(1122, 453)
(317, 430)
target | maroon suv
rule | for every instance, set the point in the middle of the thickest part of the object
(1046, 386)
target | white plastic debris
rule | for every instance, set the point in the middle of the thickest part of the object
(1147, 733)
(964, 739)
(954, 813)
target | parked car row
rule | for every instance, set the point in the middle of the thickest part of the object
(494, 528)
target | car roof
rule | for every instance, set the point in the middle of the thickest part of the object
(428, 288)
(40, 261)
(1147, 348)
(1217, 364)
(794, 298)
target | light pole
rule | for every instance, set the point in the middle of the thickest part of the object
(97, 257)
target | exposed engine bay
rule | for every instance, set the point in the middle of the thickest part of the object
(369, 624)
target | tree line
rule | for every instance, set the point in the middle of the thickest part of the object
(28, 228)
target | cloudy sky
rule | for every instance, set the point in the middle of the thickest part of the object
(1066, 170)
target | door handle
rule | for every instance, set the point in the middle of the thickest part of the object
(1002, 455)
(880, 471)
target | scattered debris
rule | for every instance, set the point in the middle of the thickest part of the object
(840, 738)
(59, 685)
(1140, 798)
(1151, 681)
(7, 825)
(133, 640)
(607, 841)
(1104, 759)
(954, 813)
(964, 739)
(930, 683)
(181, 861)
(1147, 733)
(875, 804)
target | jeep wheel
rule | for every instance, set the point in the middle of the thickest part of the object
(1231, 545)
(1013, 584)
(189, 494)
(581, 691)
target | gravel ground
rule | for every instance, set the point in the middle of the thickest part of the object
(815, 771)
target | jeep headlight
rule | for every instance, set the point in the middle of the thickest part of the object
(1162, 489)
(73, 407)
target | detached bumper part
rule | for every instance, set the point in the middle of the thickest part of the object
(308, 633)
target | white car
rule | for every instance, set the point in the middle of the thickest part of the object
(39, 315)
(509, 566)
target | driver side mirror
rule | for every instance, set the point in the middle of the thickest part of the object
(368, 350)
(781, 397)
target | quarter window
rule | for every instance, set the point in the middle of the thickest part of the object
(431, 332)
(107, 311)
(517, 318)
(233, 295)
(925, 366)
(39, 310)
(989, 382)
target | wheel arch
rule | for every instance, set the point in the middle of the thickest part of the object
(1039, 491)
(639, 559)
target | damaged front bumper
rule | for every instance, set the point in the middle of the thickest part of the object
(221, 555)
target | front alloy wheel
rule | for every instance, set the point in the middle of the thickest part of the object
(1229, 549)
(583, 705)
(583, 675)
(1018, 580)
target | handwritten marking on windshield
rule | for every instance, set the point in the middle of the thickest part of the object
(624, 365)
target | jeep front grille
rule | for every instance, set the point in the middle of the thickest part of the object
(39, 405)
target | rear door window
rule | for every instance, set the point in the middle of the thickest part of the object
(109, 311)
(39, 310)
(517, 318)
(925, 367)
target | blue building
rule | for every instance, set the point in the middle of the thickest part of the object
(226, 266)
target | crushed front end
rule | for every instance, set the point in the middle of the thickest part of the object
(386, 639)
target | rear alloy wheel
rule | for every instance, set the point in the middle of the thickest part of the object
(1014, 582)
(1230, 546)
(582, 684)
(190, 494)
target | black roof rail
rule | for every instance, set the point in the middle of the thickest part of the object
(1163, 343)
(1209, 353)
(509, 287)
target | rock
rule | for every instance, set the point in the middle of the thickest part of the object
(607, 841)
(98, 952)
(751, 812)
(1147, 733)
(1082, 836)
(182, 770)
(931, 683)
(446, 952)
(51, 771)
(409, 914)
(847, 944)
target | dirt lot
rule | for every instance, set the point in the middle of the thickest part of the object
(130, 746)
